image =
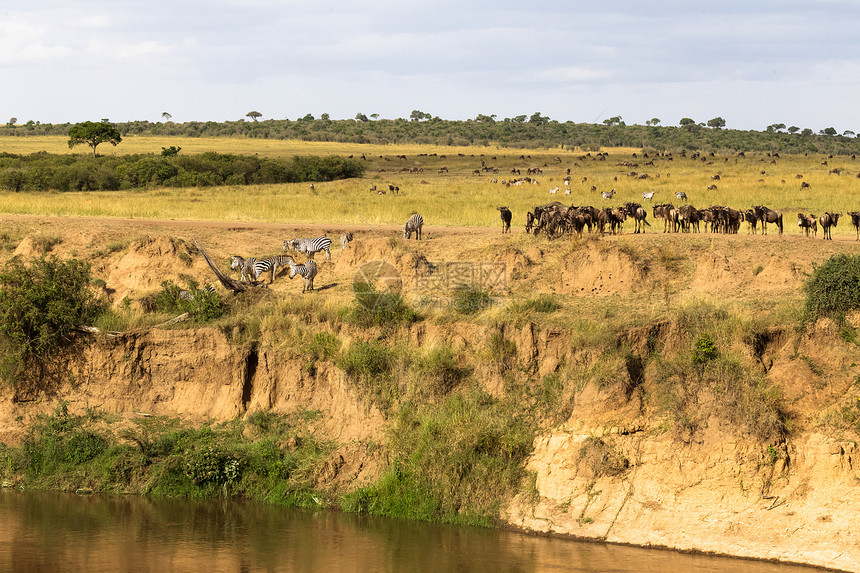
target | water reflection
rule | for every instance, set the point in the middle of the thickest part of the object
(55, 532)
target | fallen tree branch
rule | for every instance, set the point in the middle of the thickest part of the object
(229, 283)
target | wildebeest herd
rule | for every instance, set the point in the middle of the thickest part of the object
(556, 219)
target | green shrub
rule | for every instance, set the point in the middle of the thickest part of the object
(440, 371)
(833, 289)
(369, 365)
(200, 304)
(375, 308)
(456, 462)
(41, 303)
(704, 350)
(468, 299)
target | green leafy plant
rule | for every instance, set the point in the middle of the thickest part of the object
(468, 299)
(200, 304)
(833, 289)
(377, 308)
(41, 304)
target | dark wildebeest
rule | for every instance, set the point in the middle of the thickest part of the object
(752, 221)
(828, 220)
(506, 216)
(766, 216)
(638, 213)
(855, 220)
(807, 223)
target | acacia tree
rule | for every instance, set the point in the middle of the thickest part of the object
(254, 115)
(94, 133)
(166, 116)
(716, 123)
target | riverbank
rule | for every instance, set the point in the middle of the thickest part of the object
(652, 390)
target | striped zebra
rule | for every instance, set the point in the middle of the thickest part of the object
(307, 271)
(309, 246)
(244, 266)
(189, 295)
(255, 268)
(413, 225)
(345, 239)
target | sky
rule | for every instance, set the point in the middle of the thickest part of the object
(753, 63)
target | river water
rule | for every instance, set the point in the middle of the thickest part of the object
(61, 532)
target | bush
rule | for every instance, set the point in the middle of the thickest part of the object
(41, 303)
(375, 308)
(200, 304)
(833, 289)
(454, 463)
(440, 371)
(369, 365)
(470, 299)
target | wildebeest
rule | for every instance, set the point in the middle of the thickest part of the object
(712, 187)
(766, 216)
(828, 220)
(752, 221)
(638, 214)
(855, 220)
(506, 217)
(804, 185)
(807, 223)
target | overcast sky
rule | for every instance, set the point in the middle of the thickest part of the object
(753, 63)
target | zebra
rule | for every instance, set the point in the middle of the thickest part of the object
(307, 271)
(189, 295)
(245, 266)
(256, 267)
(345, 239)
(309, 246)
(413, 225)
(272, 264)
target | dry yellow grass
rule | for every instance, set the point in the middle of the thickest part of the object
(458, 197)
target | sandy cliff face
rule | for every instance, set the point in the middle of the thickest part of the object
(611, 472)
(615, 469)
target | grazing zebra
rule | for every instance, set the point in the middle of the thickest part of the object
(413, 225)
(608, 194)
(255, 268)
(681, 195)
(345, 239)
(307, 271)
(309, 246)
(648, 196)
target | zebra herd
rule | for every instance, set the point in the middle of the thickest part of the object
(251, 268)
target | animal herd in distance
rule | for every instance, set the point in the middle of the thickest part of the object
(556, 219)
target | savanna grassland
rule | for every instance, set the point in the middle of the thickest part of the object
(621, 387)
(456, 197)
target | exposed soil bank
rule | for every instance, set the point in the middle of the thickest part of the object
(616, 468)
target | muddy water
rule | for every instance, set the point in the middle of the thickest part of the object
(54, 532)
